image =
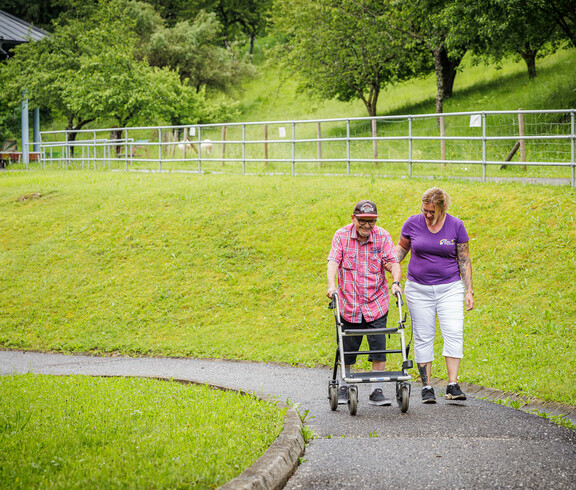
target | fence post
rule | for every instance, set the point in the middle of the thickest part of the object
(243, 149)
(348, 146)
(126, 150)
(95, 149)
(410, 146)
(293, 148)
(199, 149)
(484, 147)
(223, 144)
(442, 141)
(160, 149)
(522, 140)
(265, 145)
(572, 145)
(319, 143)
(374, 124)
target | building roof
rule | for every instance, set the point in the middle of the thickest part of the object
(15, 31)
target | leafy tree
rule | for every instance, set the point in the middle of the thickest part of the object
(191, 48)
(563, 12)
(343, 49)
(236, 17)
(494, 29)
(86, 70)
(429, 22)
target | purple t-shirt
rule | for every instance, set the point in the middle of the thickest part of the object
(433, 255)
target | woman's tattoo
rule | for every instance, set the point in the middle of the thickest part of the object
(464, 264)
(401, 252)
(423, 374)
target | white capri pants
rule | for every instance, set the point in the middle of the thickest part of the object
(425, 303)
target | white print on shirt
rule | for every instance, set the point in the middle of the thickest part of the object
(444, 241)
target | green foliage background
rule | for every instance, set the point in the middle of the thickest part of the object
(234, 267)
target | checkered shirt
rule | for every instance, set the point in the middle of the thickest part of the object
(362, 286)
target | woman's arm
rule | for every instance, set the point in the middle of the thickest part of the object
(465, 265)
(402, 248)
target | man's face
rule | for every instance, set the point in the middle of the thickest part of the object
(364, 226)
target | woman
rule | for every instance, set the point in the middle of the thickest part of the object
(439, 280)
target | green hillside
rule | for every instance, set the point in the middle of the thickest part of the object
(234, 267)
(273, 95)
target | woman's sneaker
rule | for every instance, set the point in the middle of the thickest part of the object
(428, 395)
(377, 398)
(453, 392)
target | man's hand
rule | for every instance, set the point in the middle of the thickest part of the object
(396, 289)
(331, 292)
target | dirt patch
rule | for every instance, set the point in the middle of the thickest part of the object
(28, 197)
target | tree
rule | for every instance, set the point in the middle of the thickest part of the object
(564, 14)
(494, 29)
(429, 22)
(191, 49)
(86, 70)
(344, 49)
(236, 17)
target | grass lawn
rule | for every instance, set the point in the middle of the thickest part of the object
(234, 267)
(84, 432)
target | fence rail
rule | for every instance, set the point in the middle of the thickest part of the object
(483, 145)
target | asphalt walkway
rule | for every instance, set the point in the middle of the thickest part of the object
(470, 444)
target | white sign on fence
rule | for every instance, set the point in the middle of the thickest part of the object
(192, 131)
(282, 132)
(476, 121)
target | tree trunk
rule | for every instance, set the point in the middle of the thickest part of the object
(446, 70)
(74, 128)
(252, 39)
(529, 56)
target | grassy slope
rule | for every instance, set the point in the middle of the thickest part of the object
(273, 95)
(234, 267)
(85, 432)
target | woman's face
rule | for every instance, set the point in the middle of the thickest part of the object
(429, 212)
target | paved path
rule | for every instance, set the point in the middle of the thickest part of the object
(472, 444)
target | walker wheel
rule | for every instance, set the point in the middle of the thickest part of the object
(333, 396)
(352, 400)
(404, 398)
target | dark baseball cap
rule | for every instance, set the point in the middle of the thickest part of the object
(365, 209)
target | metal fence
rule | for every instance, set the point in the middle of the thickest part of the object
(480, 145)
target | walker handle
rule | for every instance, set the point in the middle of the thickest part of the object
(399, 298)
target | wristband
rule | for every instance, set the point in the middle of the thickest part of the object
(396, 282)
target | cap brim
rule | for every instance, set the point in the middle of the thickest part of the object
(366, 215)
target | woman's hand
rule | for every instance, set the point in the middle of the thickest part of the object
(469, 300)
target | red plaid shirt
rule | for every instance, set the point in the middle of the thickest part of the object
(362, 285)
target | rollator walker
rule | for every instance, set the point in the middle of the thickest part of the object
(401, 378)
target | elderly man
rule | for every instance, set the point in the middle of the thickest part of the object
(359, 255)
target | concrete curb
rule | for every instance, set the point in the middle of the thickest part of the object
(528, 404)
(275, 467)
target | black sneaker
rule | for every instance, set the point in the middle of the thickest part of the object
(343, 395)
(453, 392)
(428, 395)
(378, 398)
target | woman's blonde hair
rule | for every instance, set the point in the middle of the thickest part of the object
(440, 199)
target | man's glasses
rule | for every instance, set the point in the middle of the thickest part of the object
(369, 222)
(425, 211)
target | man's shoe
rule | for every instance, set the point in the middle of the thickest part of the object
(428, 395)
(378, 398)
(453, 392)
(343, 395)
